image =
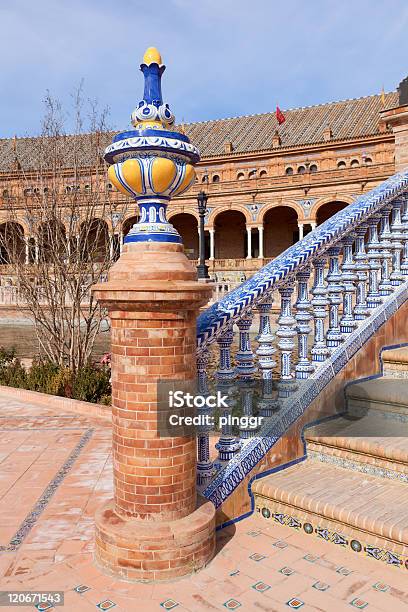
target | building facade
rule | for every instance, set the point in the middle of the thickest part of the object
(267, 184)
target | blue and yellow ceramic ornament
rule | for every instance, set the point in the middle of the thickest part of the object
(152, 162)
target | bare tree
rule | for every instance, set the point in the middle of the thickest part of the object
(73, 224)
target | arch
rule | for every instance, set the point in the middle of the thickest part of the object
(252, 173)
(301, 169)
(93, 240)
(280, 229)
(289, 171)
(237, 207)
(240, 176)
(184, 209)
(51, 241)
(263, 173)
(327, 210)
(215, 178)
(187, 226)
(313, 168)
(12, 246)
(345, 198)
(354, 163)
(298, 209)
(128, 223)
(230, 234)
(341, 164)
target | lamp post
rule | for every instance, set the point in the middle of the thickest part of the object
(202, 268)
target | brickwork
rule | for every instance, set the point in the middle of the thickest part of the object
(154, 479)
(398, 119)
(155, 528)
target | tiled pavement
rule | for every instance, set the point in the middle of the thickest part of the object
(54, 472)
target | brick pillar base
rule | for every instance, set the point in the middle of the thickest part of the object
(155, 528)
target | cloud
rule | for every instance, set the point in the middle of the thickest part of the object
(224, 57)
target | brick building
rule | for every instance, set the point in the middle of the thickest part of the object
(267, 184)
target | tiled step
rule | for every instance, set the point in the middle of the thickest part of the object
(385, 394)
(395, 362)
(364, 513)
(382, 457)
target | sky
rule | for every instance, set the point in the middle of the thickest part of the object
(224, 58)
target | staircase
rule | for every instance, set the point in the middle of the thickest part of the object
(352, 489)
(326, 309)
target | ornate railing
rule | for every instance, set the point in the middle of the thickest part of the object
(335, 288)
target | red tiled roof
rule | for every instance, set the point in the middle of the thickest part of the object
(347, 119)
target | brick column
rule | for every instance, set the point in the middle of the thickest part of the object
(397, 118)
(155, 528)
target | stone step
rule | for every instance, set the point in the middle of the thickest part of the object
(352, 510)
(382, 457)
(386, 394)
(395, 362)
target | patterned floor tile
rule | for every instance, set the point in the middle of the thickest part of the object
(232, 604)
(82, 588)
(107, 604)
(310, 558)
(295, 603)
(380, 586)
(344, 571)
(257, 557)
(261, 587)
(286, 571)
(359, 603)
(321, 586)
(280, 544)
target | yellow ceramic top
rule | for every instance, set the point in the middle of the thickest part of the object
(152, 56)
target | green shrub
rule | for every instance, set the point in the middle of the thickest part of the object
(12, 373)
(91, 383)
(41, 376)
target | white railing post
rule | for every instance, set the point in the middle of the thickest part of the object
(373, 255)
(334, 337)
(205, 468)
(303, 317)
(265, 353)
(348, 279)
(286, 334)
(385, 285)
(320, 302)
(397, 236)
(361, 310)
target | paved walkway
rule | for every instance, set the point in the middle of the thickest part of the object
(55, 470)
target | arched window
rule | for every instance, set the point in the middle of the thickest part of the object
(110, 186)
(215, 178)
(27, 191)
(341, 165)
(313, 168)
(368, 160)
(354, 163)
(289, 171)
(240, 176)
(68, 189)
(5, 193)
(87, 187)
(36, 190)
(46, 190)
(263, 173)
(252, 174)
(301, 170)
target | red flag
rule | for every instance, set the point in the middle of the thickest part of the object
(280, 116)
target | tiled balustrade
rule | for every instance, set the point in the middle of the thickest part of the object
(333, 290)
